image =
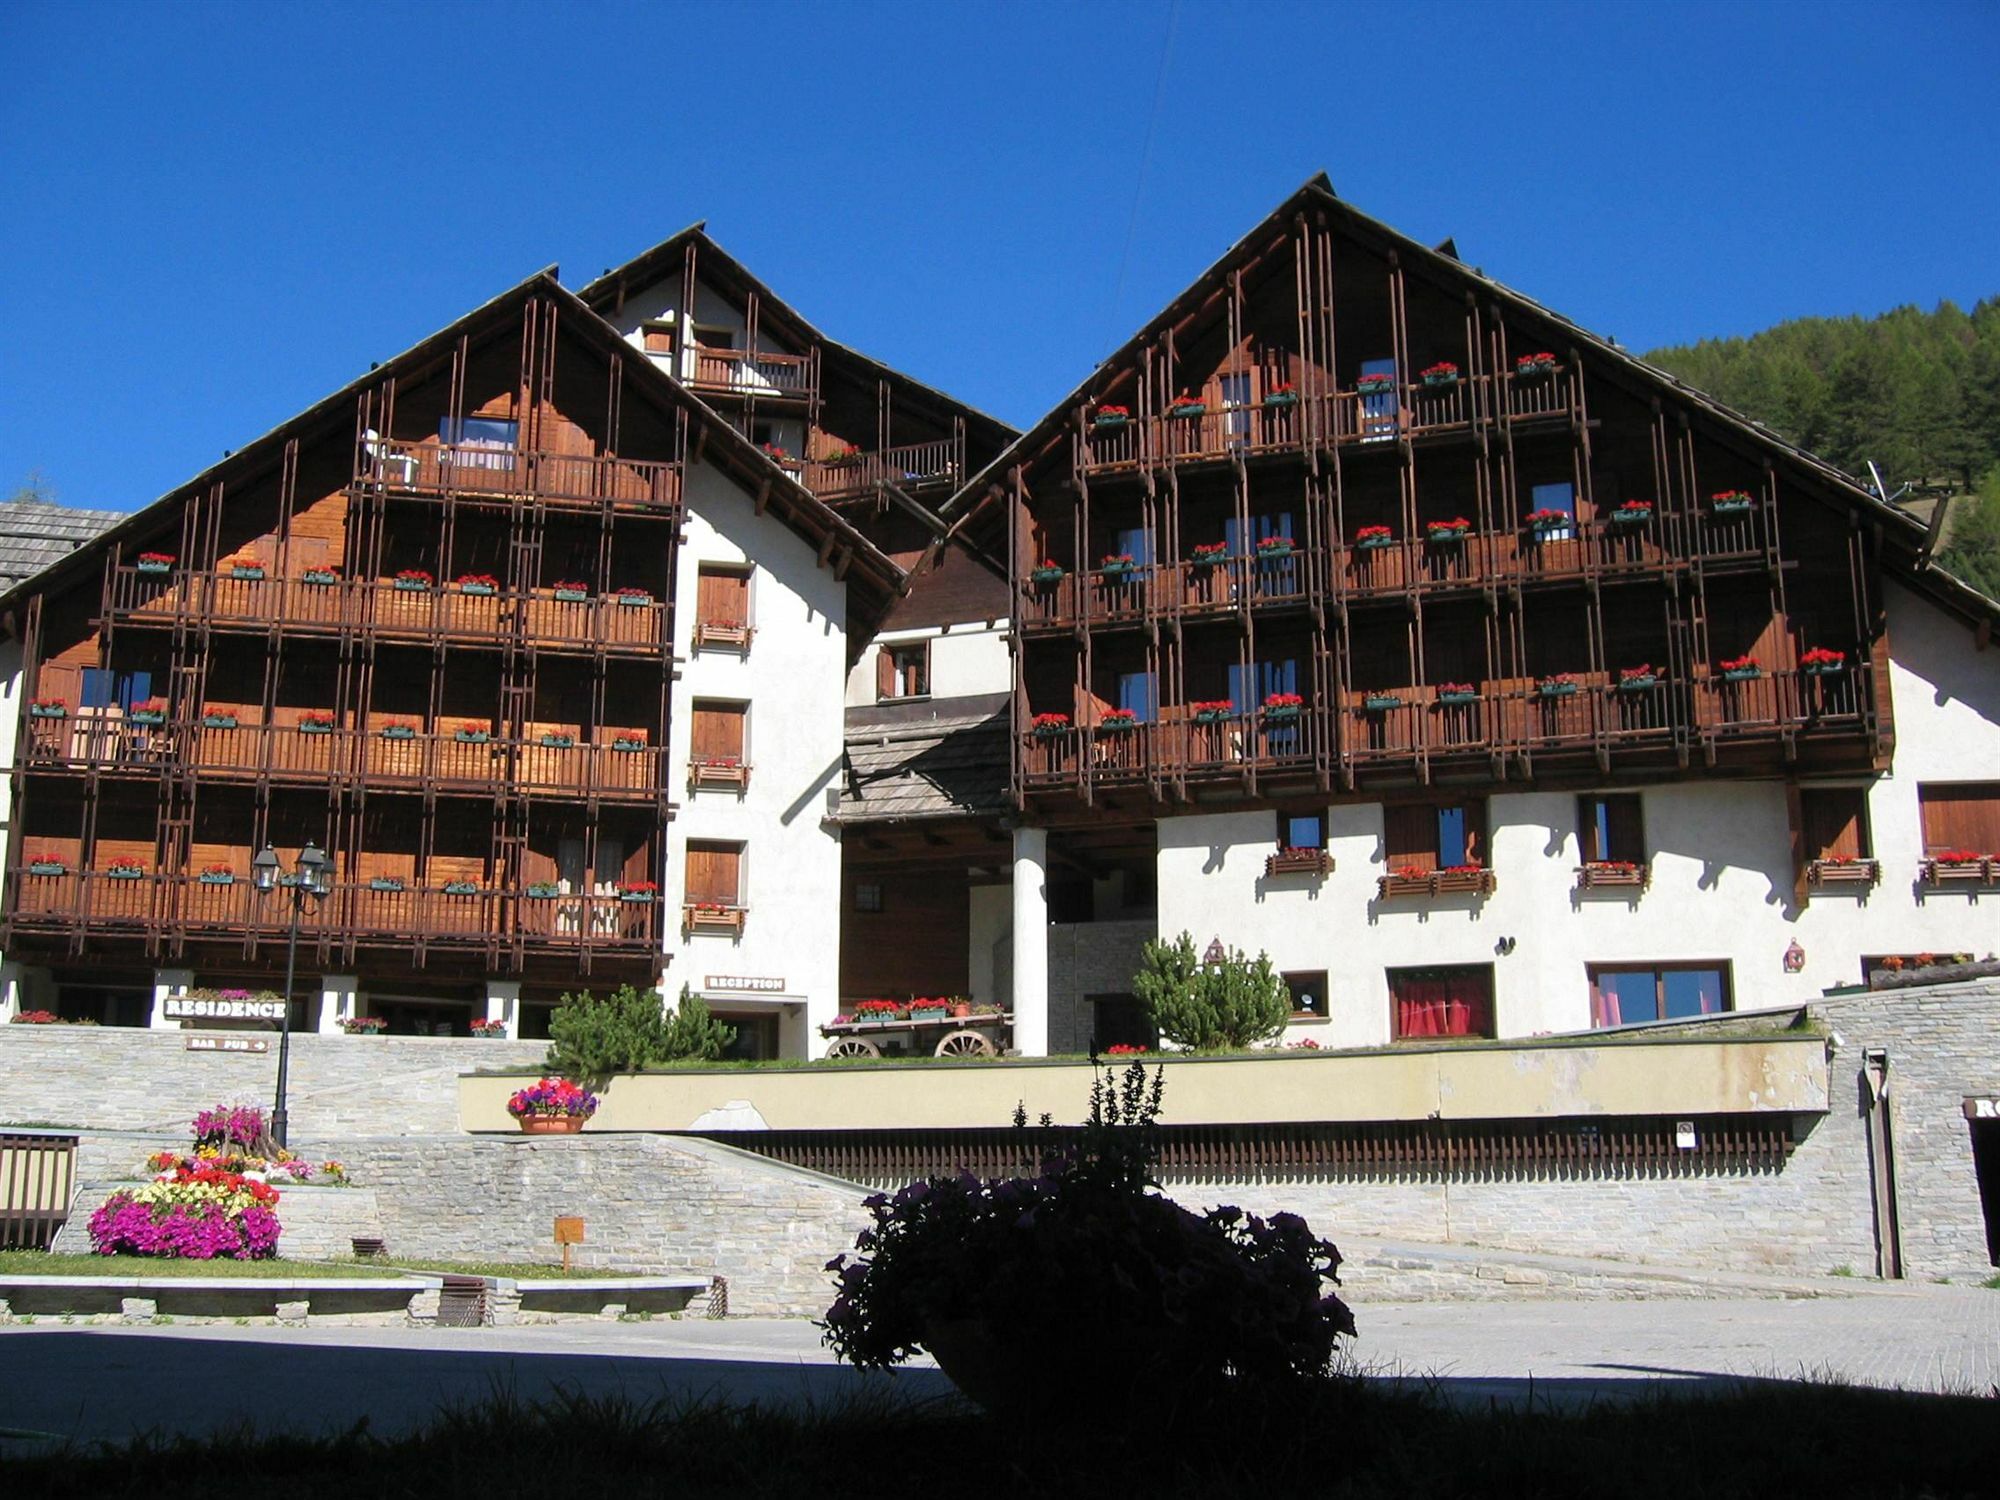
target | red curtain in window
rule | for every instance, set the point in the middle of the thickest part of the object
(1444, 1005)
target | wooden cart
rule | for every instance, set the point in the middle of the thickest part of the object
(975, 1035)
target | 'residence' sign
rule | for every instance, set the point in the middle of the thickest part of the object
(202, 1008)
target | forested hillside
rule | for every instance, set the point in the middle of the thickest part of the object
(1917, 392)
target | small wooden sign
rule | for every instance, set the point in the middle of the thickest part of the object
(226, 1044)
(569, 1231)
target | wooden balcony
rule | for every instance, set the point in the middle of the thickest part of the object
(1116, 596)
(766, 377)
(1212, 748)
(912, 467)
(564, 481)
(173, 910)
(630, 623)
(448, 761)
(1792, 705)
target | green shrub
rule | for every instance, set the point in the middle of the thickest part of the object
(630, 1029)
(1233, 1004)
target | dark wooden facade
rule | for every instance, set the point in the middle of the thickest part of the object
(1373, 548)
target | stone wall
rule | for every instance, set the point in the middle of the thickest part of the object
(110, 1078)
(649, 1203)
(1090, 958)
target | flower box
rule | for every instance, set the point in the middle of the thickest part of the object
(322, 577)
(149, 716)
(1532, 366)
(1210, 554)
(124, 872)
(1282, 396)
(411, 585)
(628, 744)
(217, 877)
(1049, 726)
(1110, 416)
(1373, 541)
(1849, 870)
(309, 726)
(1276, 547)
(1639, 682)
(1959, 867)
(1375, 385)
(48, 711)
(1820, 662)
(247, 572)
(1379, 703)
(1731, 503)
(557, 741)
(159, 564)
(1117, 721)
(1278, 707)
(634, 599)
(478, 590)
(221, 721)
(1453, 881)
(47, 867)
(1047, 575)
(572, 596)
(472, 736)
(389, 883)
(399, 731)
(1118, 569)
(491, 1030)
(1455, 530)
(1299, 862)
(461, 888)
(363, 1025)
(930, 1012)
(636, 894)
(1443, 373)
(1187, 408)
(1556, 687)
(1741, 674)
(1456, 697)
(1212, 711)
(1632, 513)
(1611, 874)
(543, 890)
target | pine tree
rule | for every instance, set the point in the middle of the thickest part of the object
(1229, 1005)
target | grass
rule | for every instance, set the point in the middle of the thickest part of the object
(1348, 1441)
(41, 1263)
(1991, 1283)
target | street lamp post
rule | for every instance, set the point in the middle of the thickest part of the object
(313, 877)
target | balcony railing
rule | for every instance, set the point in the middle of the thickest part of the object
(565, 479)
(913, 467)
(742, 373)
(548, 617)
(368, 913)
(446, 761)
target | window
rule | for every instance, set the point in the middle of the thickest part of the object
(1434, 838)
(714, 874)
(721, 602)
(1138, 692)
(1378, 408)
(1308, 995)
(1629, 996)
(480, 442)
(1301, 831)
(659, 337)
(104, 688)
(716, 745)
(756, 1038)
(1559, 496)
(714, 338)
(1135, 542)
(1236, 405)
(903, 671)
(1442, 1002)
(1120, 1021)
(868, 896)
(1960, 815)
(1610, 830)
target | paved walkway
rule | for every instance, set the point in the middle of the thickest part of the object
(109, 1382)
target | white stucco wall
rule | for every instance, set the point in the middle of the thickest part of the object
(965, 660)
(1721, 876)
(791, 678)
(660, 303)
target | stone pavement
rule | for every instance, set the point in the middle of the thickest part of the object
(104, 1382)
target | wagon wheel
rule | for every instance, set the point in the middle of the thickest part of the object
(965, 1044)
(853, 1046)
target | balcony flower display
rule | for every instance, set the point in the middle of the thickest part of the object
(776, 453)
(1283, 394)
(556, 739)
(460, 888)
(1117, 565)
(314, 721)
(1541, 522)
(1210, 711)
(1049, 726)
(1444, 372)
(1272, 547)
(197, 1214)
(634, 598)
(1110, 416)
(155, 562)
(217, 875)
(399, 729)
(570, 591)
(413, 581)
(1531, 365)
(1185, 405)
(1632, 513)
(1638, 679)
(637, 890)
(552, 1104)
(218, 718)
(473, 731)
(542, 890)
(149, 711)
(48, 708)
(47, 862)
(387, 884)
(1453, 530)
(363, 1025)
(1210, 554)
(1738, 668)
(1283, 705)
(1557, 685)
(1047, 573)
(1381, 703)
(1451, 693)
(124, 867)
(842, 455)
(1821, 661)
(492, 1030)
(1377, 384)
(321, 577)
(1117, 721)
(628, 739)
(477, 583)
(1731, 503)
(1368, 538)
(249, 568)
(1960, 857)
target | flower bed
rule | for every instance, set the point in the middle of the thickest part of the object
(552, 1099)
(199, 1214)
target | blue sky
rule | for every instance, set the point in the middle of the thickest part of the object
(216, 215)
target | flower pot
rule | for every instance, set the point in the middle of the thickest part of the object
(1211, 716)
(383, 883)
(634, 601)
(1272, 554)
(1283, 398)
(155, 567)
(319, 576)
(1630, 517)
(1732, 507)
(1450, 538)
(1119, 572)
(635, 898)
(218, 721)
(1741, 674)
(247, 575)
(149, 716)
(471, 736)
(931, 1013)
(1437, 381)
(962, 1009)
(478, 590)
(1116, 726)
(124, 874)
(1282, 714)
(1050, 733)
(1047, 577)
(1377, 703)
(534, 893)
(630, 747)
(398, 732)
(1637, 684)
(571, 596)
(1106, 424)
(461, 888)
(1557, 689)
(558, 741)
(1824, 668)
(206, 879)
(550, 1124)
(1453, 699)
(1374, 543)
(47, 867)
(303, 728)
(48, 713)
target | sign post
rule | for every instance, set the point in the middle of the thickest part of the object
(569, 1231)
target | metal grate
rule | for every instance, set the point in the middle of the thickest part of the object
(1433, 1150)
(462, 1304)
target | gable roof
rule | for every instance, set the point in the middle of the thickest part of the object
(1906, 540)
(712, 439)
(722, 270)
(36, 534)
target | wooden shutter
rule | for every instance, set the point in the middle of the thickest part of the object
(722, 597)
(717, 732)
(885, 673)
(1626, 829)
(712, 871)
(1964, 816)
(1409, 837)
(1833, 822)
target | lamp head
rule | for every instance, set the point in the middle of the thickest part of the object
(264, 869)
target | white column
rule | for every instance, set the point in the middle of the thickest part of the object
(1031, 942)
(503, 1003)
(168, 982)
(11, 987)
(338, 998)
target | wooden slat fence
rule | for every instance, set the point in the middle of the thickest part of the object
(37, 1180)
